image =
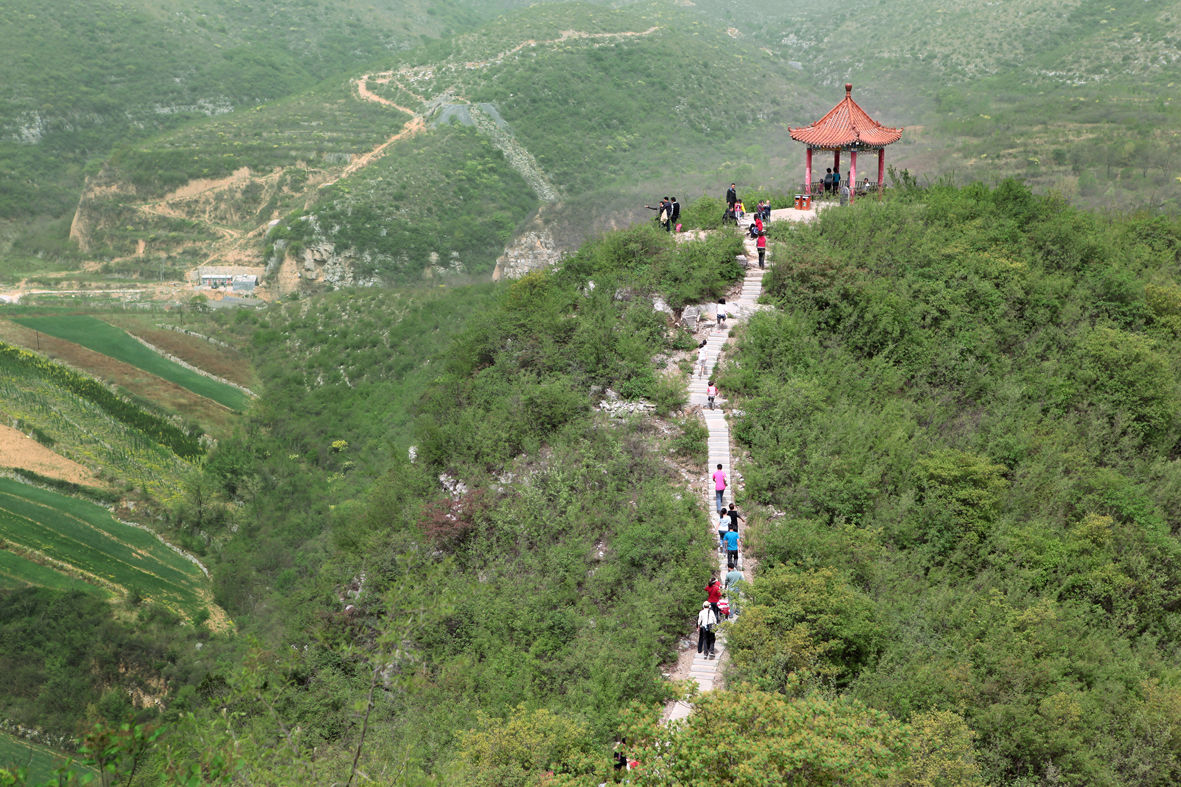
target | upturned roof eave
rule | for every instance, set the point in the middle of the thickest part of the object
(844, 127)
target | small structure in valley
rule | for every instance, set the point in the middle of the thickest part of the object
(241, 278)
(845, 127)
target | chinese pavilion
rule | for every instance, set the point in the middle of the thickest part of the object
(845, 127)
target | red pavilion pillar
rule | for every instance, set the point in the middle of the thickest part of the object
(881, 169)
(808, 170)
(852, 175)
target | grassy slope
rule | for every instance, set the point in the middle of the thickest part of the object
(18, 572)
(107, 339)
(87, 539)
(965, 404)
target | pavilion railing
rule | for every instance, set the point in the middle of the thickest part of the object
(818, 191)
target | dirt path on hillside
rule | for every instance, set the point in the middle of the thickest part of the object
(409, 129)
(417, 121)
(564, 36)
(383, 78)
(24, 453)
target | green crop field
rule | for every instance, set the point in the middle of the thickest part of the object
(115, 442)
(17, 571)
(39, 762)
(87, 539)
(105, 338)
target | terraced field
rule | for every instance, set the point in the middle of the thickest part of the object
(83, 430)
(17, 571)
(102, 337)
(81, 541)
(39, 761)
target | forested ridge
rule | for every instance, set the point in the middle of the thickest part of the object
(959, 412)
(962, 412)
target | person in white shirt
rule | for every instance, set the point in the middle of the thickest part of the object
(706, 622)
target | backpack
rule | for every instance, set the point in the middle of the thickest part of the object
(753, 230)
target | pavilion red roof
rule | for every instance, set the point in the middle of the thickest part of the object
(844, 126)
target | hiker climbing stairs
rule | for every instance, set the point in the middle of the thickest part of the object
(703, 670)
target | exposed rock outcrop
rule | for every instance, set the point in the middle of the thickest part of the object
(534, 247)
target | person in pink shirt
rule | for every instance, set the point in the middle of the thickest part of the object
(711, 391)
(720, 487)
(761, 244)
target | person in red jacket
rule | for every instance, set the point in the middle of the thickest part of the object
(761, 244)
(713, 594)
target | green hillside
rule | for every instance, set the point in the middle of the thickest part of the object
(553, 577)
(431, 160)
(965, 402)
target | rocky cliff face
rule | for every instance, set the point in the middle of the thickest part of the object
(534, 247)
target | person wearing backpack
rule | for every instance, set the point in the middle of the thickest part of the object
(707, 621)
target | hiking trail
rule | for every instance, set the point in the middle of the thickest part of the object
(740, 305)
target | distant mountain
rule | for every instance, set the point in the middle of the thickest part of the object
(431, 161)
(80, 78)
(1075, 97)
(1079, 97)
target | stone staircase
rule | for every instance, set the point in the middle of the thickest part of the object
(706, 671)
